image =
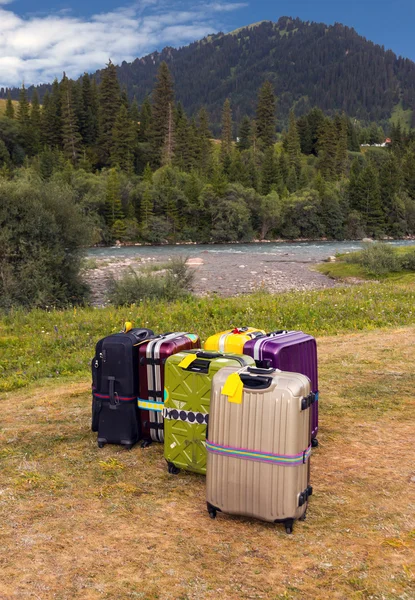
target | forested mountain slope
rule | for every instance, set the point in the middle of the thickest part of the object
(309, 64)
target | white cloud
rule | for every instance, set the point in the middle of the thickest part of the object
(36, 49)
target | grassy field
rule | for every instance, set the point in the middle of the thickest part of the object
(79, 522)
(59, 344)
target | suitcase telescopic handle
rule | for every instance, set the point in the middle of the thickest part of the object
(209, 355)
(255, 383)
(261, 371)
(278, 332)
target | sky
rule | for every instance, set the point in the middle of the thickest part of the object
(39, 40)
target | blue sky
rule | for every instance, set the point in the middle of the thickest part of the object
(74, 35)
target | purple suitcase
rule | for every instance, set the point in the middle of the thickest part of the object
(293, 351)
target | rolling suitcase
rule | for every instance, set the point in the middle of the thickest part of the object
(153, 356)
(115, 387)
(233, 340)
(188, 381)
(289, 351)
(259, 445)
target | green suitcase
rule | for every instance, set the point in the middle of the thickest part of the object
(188, 380)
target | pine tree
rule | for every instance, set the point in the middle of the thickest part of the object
(113, 206)
(366, 199)
(9, 107)
(390, 186)
(205, 136)
(109, 106)
(269, 171)
(304, 131)
(236, 169)
(145, 121)
(181, 138)
(52, 118)
(327, 150)
(147, 204)
(167, 152)
(134, 111)
(71, 138)
(23, 116)
(226, 136)
(161, 112)
(36, 123)
(244, 142)
(265, 115)
(293, 145)
(316, 122)
(123, 141)
(342, 157)
(88, 125)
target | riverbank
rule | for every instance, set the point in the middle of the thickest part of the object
(225, 275)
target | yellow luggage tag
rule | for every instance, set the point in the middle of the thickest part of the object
(128, 326)
(187, 360)
(233, 388)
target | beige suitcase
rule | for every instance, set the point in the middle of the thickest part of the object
(259, 444)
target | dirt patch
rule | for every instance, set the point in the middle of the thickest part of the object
(79, 522)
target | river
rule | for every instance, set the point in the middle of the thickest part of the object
(279, 251)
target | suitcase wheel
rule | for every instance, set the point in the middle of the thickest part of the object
(172, 469)
(314, 443)
(145, 443)
(127, 446)
(303, 516)
(101, 444)
(289, 524)
(211, 510)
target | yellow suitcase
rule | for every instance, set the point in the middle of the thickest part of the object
(233, 340)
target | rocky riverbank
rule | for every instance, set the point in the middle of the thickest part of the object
(222, 274)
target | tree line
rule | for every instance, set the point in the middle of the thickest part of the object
(151, 174)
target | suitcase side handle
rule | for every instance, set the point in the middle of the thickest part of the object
(256, 383)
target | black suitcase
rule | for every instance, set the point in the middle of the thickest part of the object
(115, 388)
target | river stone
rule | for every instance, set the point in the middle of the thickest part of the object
(195, 262)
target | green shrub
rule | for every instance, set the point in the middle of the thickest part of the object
(378, 259)
(41, 233)
(134, 288)
(408, 261)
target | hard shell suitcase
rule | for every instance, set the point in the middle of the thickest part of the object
(115, 387)
(153, 356)
(259, 445)
(289, 351)
(233, 340)
(188, 380)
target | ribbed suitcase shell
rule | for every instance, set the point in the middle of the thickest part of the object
(151, 377)
(289, 351)
(268, 420)
(228, 341)
(187, 404)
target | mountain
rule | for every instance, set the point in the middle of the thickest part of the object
(310, 64)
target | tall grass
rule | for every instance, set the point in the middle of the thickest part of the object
(61, 343)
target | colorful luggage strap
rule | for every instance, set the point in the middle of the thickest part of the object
(187, 416)
(285, 460)
(150, 405)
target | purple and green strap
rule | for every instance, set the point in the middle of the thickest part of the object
(286, 460)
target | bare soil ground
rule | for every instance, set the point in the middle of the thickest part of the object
(223, 274)
(79, 522)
